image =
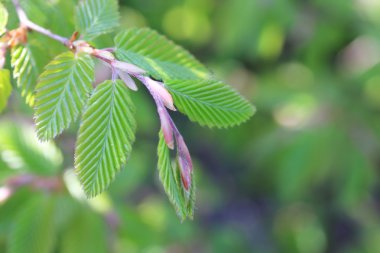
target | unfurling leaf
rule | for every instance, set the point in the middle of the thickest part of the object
(96, 17)
(157, 55)
(5, 88)
(105, 136)
(170, 177)
(159, 89)
(162, 98)
(210, 103)
(166, 127)
(184, 162)
(62, 90)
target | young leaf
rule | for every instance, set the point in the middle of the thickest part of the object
(171, 180)
(61, 92)
(25, 70)
(105, 136)
(33, 230)
(210, 103)
(157, 55)
(3, 18)
(5, 88)
(96, 17)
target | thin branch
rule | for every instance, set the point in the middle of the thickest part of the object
(37, 28)
(24, 20)
(105, 55)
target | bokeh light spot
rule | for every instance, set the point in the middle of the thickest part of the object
(296, 112)
(183, 23)
(296, 75)
(132, 18)
(369, 9)
(153, 213)
(270, 42)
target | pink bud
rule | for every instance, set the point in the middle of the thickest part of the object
(127, 67)
(184, 162)
(166, 127)
(161, 91)
(127, 80)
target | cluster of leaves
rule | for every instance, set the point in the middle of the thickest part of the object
(63, 90)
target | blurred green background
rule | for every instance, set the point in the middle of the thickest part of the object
(301, 176)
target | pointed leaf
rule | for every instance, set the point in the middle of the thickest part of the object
(5, 88)
(62, 90)
(26, 68)
(170, 177)
(96, 17)
(33, 230)
(105, 136)
(210, 103)
(157, 55)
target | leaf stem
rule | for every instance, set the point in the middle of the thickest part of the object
(24, 20)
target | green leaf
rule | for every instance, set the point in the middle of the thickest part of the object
(105, 137)
(5, 88)
(26, 70)
(3, 18)
(156, 54)
(210, 103)
(61, 92)
(96, 17)
(171, 180)
(33, 230)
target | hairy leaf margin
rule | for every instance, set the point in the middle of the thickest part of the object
(210, 103)
(105, 137)
(61, 92)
